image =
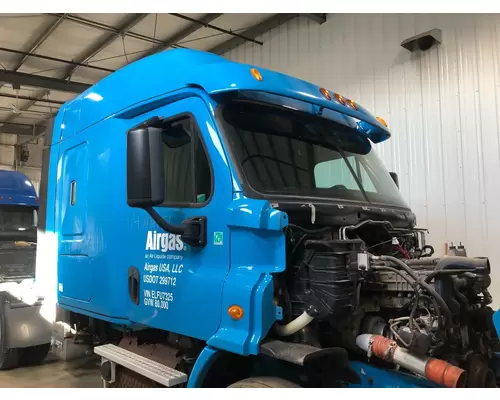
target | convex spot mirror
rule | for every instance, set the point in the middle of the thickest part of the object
(395, 178)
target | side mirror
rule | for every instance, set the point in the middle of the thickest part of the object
(145, 172)
(146, 183)
(395, 178)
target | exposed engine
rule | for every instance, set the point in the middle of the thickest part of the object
(371, 283)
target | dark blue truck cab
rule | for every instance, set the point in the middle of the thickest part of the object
(24, 334)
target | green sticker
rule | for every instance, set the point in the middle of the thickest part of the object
(218, 241)
(200, 198)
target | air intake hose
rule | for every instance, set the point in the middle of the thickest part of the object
(433, 369)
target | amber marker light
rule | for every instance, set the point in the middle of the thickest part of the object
(326, 94)
(256, 74)
(339, 98)
(382, 121)
(352, 104)
(235, 312)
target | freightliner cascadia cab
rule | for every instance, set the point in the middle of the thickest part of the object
(209, 223)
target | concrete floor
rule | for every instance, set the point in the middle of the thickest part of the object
(53, 373)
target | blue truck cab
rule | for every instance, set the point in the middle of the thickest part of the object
(236, 216)
(24, 334)
(18, 235)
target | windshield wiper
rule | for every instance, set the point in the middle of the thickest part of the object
(356, 178)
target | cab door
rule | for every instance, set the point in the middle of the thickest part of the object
(75, 271)
(173, 286)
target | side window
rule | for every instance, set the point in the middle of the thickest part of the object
(187, 170)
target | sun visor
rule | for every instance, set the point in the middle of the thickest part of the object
(374, 133)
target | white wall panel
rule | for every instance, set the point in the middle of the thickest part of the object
(32, 168)
(442, 106)
(6, 155)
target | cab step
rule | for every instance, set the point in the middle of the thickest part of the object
(150, 369)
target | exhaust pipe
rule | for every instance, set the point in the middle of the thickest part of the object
(433, 369)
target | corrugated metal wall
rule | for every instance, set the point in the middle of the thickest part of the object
(32, 168)
(442, 107)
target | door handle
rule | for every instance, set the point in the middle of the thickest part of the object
(72, 193)
(133, 284)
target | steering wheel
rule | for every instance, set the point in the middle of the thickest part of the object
(339, 187)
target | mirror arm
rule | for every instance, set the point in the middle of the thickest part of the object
(193, 231)
(175, 229)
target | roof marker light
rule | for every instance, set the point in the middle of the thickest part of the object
(352, 104)
(256, 74)
(382, 121)
(340, 98)
(326, 94)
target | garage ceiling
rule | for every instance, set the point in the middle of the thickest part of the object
(47, 59)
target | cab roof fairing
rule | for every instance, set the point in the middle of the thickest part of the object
(17, 189)
(149, 78)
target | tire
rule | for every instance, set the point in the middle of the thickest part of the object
(264, 382)
(33, 355)
(9, 358)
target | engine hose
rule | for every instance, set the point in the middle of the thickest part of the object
(454, 262)
(488, 299)
(414, 309)
(433, 369)
(464, 303)
(343, 230)
(446, 311)
(294, 326)
(464, 263)
(444, 272)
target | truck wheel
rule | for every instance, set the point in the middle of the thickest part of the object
(9, 358)
(33, 355)
(264, 382)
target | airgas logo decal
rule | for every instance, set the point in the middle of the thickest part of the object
(157, 241)
(163, 269)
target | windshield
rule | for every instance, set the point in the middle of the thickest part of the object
(17, 218)
(288, 153)
(17, 242)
